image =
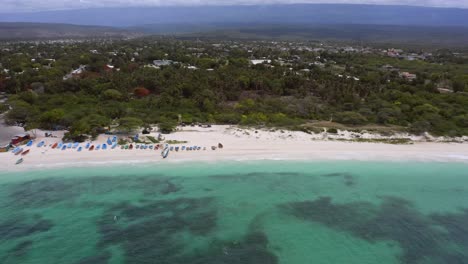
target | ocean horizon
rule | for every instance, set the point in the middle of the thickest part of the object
(237, 212)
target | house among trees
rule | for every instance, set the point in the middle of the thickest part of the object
(159, 63)
(264, 61)
(408, 76)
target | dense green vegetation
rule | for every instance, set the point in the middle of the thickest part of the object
(225, 88)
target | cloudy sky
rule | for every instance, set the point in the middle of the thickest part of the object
(41, 5)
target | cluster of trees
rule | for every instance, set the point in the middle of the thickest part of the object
(231, 92)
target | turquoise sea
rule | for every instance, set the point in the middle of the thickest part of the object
(239, 212)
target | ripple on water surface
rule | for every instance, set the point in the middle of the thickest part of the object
(239, 212)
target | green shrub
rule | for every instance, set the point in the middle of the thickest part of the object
(167, 126)
(351, 118)
(228, 118)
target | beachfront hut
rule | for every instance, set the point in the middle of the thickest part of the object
(19, 139)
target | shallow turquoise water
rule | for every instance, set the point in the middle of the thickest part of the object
(239, 212)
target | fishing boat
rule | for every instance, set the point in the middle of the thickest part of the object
(87, 145)
(176, 148)
(127, 147)
(156, 147)
(25, 152)
(137, 146)
(69, 145)
(104, 146)
(114, 139)
(60, 145)
(183, 148)
(91, 148)
(75, 145)
(198, 148)
(54, 146)
(123, 147)
(19, 161)
(30, 143)
(151, 147)
(15, 150)
(40, 144)
(165, 151)
(114, 145)
(98, 147)
(64, 147)
(171, 148)
(109, 141)
(131, 146)
(80, 149)
(220, 146)
(19, 152)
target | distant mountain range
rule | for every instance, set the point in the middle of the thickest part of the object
(33, 31)
(367, 23)
(419, 35)
(264, 14)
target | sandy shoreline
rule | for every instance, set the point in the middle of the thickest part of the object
(239, 144)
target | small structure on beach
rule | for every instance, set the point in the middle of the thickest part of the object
(20, 138)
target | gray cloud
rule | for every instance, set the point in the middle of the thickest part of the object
(40, 5)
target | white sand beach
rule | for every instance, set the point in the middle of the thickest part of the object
(239, 144)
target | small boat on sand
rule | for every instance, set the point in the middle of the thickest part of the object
(30, 143)
(64, 147)
(126, 147)
(137, 146)
(69, 145)
(183, 148)
(40, 144)
(87, 145)
(60, 145)
(19, 161)
(15, 150)
(25, 152)
(104, 146)
(130, 147)
(171, 148)
(98, 147)
(114, 145)
(75, 145)
(176, 148)
(114, 139)
(80, 149)
(109, 141)
(151, 147)
(91, 148)
(54, 146)
(165, 151)
(19, 152)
